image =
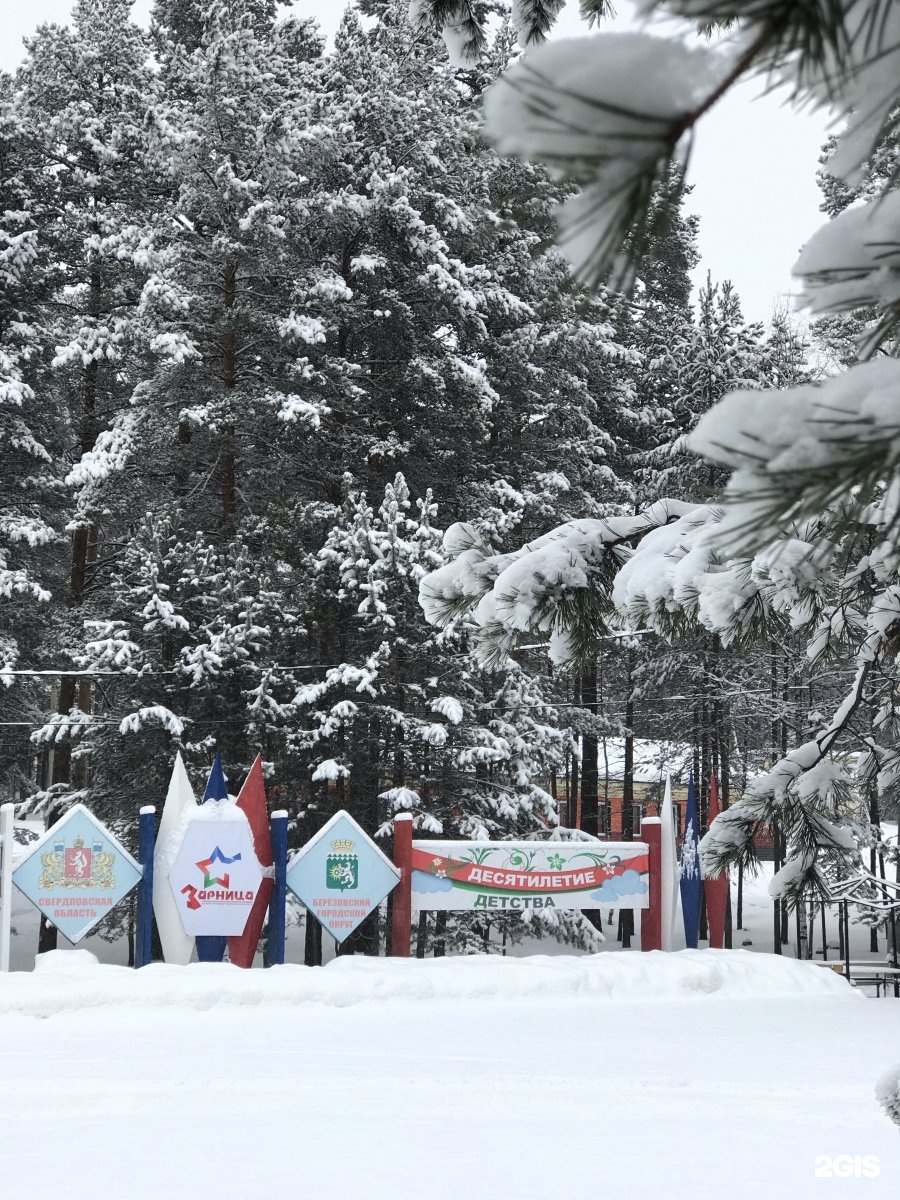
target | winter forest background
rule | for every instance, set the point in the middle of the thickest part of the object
(284, 343)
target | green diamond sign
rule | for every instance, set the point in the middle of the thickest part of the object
(341, 876)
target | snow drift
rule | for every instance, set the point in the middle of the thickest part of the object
(64, 981)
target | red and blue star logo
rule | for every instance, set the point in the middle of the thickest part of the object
(210, 880)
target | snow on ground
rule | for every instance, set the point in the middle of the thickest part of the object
(619, 1075)
(700, 1074)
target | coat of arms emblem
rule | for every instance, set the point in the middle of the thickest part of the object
(342, 866)
(78, 865)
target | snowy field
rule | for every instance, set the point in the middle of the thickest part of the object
(622, 1077)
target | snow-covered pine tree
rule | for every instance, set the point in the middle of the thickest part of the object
(30, 437)
(563, 396)
(712, 355)
(259, 396)
(708, 352)
(405, 718)
(455, 346)
(658, 325)
(800, 456)
(233, 137)
(186, 643)
(842, 335)
(412, 710)
(199, 470)
(82, 94)
(680, 579)
(837, 782)
(561, 424)
(394, 305)
(513, 355)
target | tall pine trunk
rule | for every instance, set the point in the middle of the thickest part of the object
(590, 779)
(776, 831)
(227, 461)
(83, 555)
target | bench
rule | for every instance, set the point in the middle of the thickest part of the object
(867, 973)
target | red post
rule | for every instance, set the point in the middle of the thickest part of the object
(651, 918)
(252, 803)
(716, 890)
(401, 908)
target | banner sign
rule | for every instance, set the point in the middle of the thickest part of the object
(76, 873)
(341, 875)
(530, 875)
(216, 874)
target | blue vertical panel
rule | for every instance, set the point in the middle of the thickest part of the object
(275, 941)
(143, 951)
(691, 883)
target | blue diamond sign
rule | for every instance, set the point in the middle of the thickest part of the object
(76, 873)
(341, 875)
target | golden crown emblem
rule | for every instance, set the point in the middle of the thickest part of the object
(78, 843)
(342, 846)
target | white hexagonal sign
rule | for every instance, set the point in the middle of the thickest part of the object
(76, 873)
(341, 875)
(216, 874)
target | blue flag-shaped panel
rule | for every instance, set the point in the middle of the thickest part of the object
(216, 785)
(209, 948)
(691, 883)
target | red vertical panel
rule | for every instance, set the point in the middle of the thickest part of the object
(651, 918)
(252, 802)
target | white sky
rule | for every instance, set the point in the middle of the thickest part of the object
(753, 169)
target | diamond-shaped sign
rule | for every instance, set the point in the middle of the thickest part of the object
(341, 875)
(76, 873)
(216, 874)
